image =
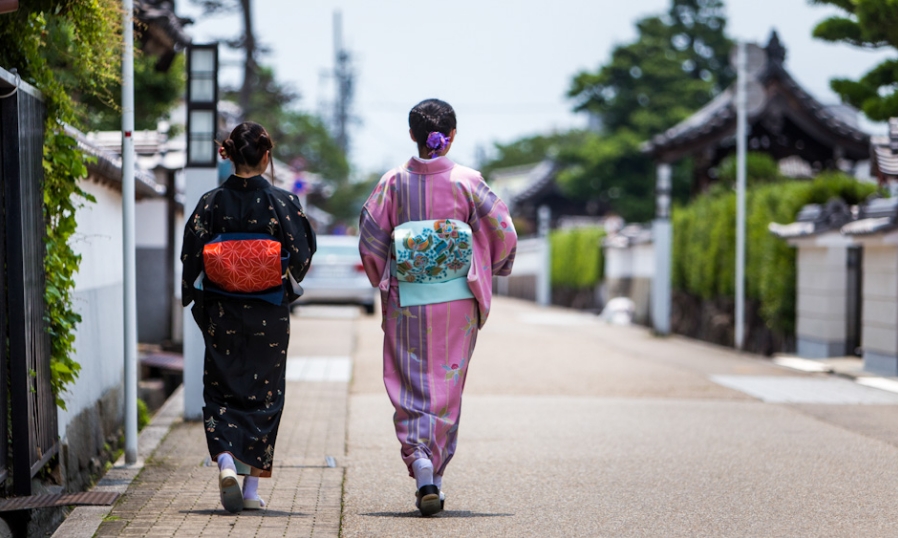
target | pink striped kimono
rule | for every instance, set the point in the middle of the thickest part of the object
(427, 349)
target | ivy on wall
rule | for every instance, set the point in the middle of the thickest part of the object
(704, 242)
(68, 49)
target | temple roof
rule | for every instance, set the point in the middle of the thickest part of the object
(772, 95)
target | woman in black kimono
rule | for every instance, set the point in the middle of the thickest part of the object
(246, 329)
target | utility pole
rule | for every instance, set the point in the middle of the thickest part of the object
(544, 280)
(130, 264)
(741, 128)
(343, 80)
(662, 240)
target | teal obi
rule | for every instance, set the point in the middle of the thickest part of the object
(433, 258)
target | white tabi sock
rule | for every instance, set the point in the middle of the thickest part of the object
(250, 487)
(438, 481)
(423, 470)
(226, 461)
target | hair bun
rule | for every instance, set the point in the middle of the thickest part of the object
(265, 142)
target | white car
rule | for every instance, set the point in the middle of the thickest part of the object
(336, 275)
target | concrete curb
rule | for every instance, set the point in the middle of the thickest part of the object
(84, 521)
(849, 368)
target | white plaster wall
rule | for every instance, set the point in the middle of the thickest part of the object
(880, 311)
(529, 257)
(150, 217)
(822, 289)
(98, 238)
(98, 298)
(618, 263)
(643, 260)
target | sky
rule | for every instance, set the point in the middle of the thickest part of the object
(504, 66)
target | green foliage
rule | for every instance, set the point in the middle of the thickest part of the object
(155, 94)
(611, 169)
(65, 48)
(759, 168)
(143, 414)
(577, 259)
(705, 237)
(675, 66)
(868, 24)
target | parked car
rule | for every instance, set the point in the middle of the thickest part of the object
(336, 275)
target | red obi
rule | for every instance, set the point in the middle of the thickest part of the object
(244, 263)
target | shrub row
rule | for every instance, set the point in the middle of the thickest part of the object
(704, 242)
(577, 259)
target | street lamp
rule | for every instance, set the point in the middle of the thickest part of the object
(202, 105)
(200, 176)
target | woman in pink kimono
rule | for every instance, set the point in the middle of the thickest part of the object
(433, 235)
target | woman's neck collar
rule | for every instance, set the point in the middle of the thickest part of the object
(247, 175)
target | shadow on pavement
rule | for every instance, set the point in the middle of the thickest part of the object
(442, 515)
(245, 513)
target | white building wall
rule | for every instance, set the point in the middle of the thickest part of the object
(98, 299)
(880, 311)
(151, 216)
(822, 302)
(643, 260)
(618, 263)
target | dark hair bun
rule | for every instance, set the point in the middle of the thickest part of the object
(247, 144)
(428, 116)
(229, 148)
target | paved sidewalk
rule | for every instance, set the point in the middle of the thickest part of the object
(176, 492)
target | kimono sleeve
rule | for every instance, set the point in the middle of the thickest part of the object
(196, 235)
(375, 231)
(297, 235)
(493, 228)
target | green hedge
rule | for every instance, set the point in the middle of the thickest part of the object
(704, 242)
(577, 259)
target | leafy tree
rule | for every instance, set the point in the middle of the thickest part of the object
(155, 94)
(675, 66)
(868, 24)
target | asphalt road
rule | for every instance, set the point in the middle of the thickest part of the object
(571, 427)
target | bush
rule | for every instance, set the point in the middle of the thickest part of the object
(577, 259)
(143, 414)
(704, 242)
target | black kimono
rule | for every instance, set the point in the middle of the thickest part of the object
(246, 338)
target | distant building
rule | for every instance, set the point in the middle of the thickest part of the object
(784, 121)
(526, 188)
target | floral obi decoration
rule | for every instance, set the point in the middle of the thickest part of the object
(433, 258)
(245, 265)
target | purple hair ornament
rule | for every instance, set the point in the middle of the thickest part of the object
(437, 142)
